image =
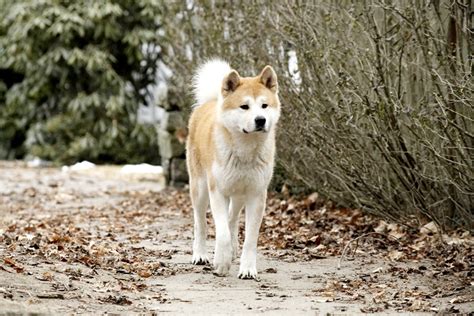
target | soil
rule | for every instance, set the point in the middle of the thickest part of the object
(99, 242)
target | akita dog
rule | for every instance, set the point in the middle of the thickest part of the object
(230, 158)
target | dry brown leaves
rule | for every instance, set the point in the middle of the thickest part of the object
(111, 237)
(309, 228)
(107, 237)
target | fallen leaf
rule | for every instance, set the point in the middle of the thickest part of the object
(46, 276)
(12, 263)
(430, 228)
(144, 273)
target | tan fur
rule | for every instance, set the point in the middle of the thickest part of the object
(200, 145)
(252, 87)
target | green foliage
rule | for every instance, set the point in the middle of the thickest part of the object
(82, 67)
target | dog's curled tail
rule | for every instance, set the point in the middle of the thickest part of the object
(208, 79)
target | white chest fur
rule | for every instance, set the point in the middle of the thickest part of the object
(244, 166)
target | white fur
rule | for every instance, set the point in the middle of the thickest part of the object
(242, 182)
(208, 80)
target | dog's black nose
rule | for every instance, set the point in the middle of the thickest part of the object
(260, 121)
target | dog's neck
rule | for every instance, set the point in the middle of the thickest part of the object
(245, 147)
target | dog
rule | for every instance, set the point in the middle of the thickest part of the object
(230, 158)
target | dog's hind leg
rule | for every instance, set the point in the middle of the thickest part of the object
(200, 201)
(254, 209)
(236, 204)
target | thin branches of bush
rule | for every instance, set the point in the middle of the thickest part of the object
(378, 113)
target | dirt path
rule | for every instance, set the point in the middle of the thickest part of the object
(94, 242)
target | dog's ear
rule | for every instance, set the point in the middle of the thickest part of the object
(230, 83)
(268, 78)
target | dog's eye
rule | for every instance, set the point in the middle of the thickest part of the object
(244, 107)
(264, 105)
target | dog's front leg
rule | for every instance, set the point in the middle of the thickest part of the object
(236, 204)
(254, 209)
(223, 250)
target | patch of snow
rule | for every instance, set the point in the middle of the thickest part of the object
(80, 166)
(142, 168)
(164, 70)
(189, 52)
(151, 114)
(38, 163)
(293, 67)
(189, 4)
(157, 92)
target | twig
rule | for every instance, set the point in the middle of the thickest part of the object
(23, 292)
(51, 295)
(357, 239)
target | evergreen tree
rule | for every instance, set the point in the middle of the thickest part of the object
(72, 74)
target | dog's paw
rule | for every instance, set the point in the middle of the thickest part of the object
(222, 262)
(221, 269)
(200, 259)
(248, 272)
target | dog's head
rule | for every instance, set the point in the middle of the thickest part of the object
(250, 105)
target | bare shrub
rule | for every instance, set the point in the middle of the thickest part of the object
(378, 113)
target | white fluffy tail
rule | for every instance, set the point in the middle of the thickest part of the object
(208, 80)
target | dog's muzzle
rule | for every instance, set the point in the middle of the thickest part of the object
(260, 122)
